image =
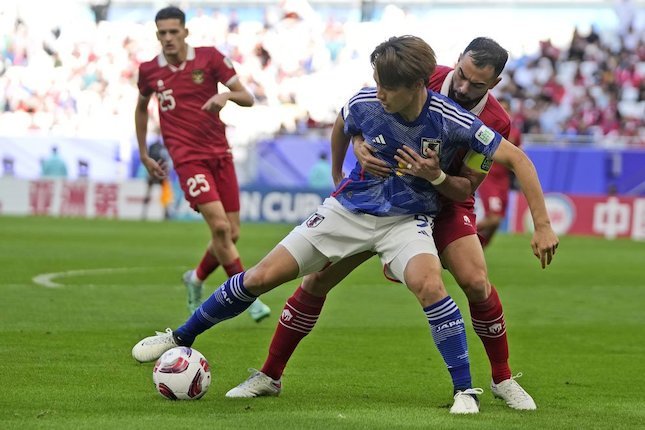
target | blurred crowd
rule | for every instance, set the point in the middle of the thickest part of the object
(79, 78)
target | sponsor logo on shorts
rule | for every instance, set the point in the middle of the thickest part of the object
(485, 135)
(314, 220)
(467, 220)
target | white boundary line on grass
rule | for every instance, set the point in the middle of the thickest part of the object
(47, 279)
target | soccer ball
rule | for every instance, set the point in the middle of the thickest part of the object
(182, 373)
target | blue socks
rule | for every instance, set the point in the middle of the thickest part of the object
(228, 301)
(449, 335)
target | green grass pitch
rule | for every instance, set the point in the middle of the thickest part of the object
(576, 331)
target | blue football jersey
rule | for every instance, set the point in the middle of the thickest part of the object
(442, 126)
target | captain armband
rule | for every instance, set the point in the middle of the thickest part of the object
(478, 162)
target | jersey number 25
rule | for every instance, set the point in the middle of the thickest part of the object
(197, 185)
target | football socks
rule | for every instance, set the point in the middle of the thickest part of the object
(298, 318)
(449, 335)
(488, 322)
(228, 301)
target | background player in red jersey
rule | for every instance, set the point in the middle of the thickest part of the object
(493, 192)
(184, 79)
(455, 234)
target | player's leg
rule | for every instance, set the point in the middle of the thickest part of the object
(300, 315)
(232, 298)
(258, 310)
(413, 258)
(464, 258)
(295, 256)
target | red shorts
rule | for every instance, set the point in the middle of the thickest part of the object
(455, 220)
(205, 181)
(494, 197)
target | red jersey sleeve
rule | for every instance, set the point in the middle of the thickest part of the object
(221, 67)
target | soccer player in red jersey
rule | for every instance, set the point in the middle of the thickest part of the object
(455, 234)
(184, 80)
(493, 192)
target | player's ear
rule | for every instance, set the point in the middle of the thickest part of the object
(497, 81)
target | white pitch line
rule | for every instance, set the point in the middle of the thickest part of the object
(47, 279)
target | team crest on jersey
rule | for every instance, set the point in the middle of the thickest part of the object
(486, 164)
(314, 220)
(198, 76)
(430, 144)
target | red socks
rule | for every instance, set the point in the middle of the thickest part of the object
(298, 318)
(209, 263)
(207, 266)
(488, 322)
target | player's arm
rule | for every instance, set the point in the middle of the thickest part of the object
(339, 145)
(153, 167)
(544, 241)
(457, 188)
(237, 93)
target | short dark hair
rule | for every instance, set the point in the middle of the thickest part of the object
(171, 12)
(487, 52)
(403, 61)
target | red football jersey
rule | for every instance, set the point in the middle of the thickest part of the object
(488, 110)
(189, 132)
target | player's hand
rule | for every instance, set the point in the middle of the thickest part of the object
(411, 163)
(544, 244)
(156, 169)
(215, 103)
(364, 154)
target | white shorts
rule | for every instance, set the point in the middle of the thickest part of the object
(336, 233)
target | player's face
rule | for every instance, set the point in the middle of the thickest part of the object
(172, 36)
(470, 83)
(395, 99)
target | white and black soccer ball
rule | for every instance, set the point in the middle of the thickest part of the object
(182, 373)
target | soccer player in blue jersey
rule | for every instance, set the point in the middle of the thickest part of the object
(418, 133)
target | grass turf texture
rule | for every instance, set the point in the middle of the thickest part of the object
(576, 332)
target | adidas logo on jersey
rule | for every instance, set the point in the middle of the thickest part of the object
(379, 139)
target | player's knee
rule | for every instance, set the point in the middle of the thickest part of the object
(220, 229)
(428, 290)
(475, 284)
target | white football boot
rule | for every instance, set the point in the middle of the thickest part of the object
(152, 347)
(257, 385)
(466, 401)
(513, 394)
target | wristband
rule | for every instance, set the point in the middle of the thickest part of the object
(439, 180)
